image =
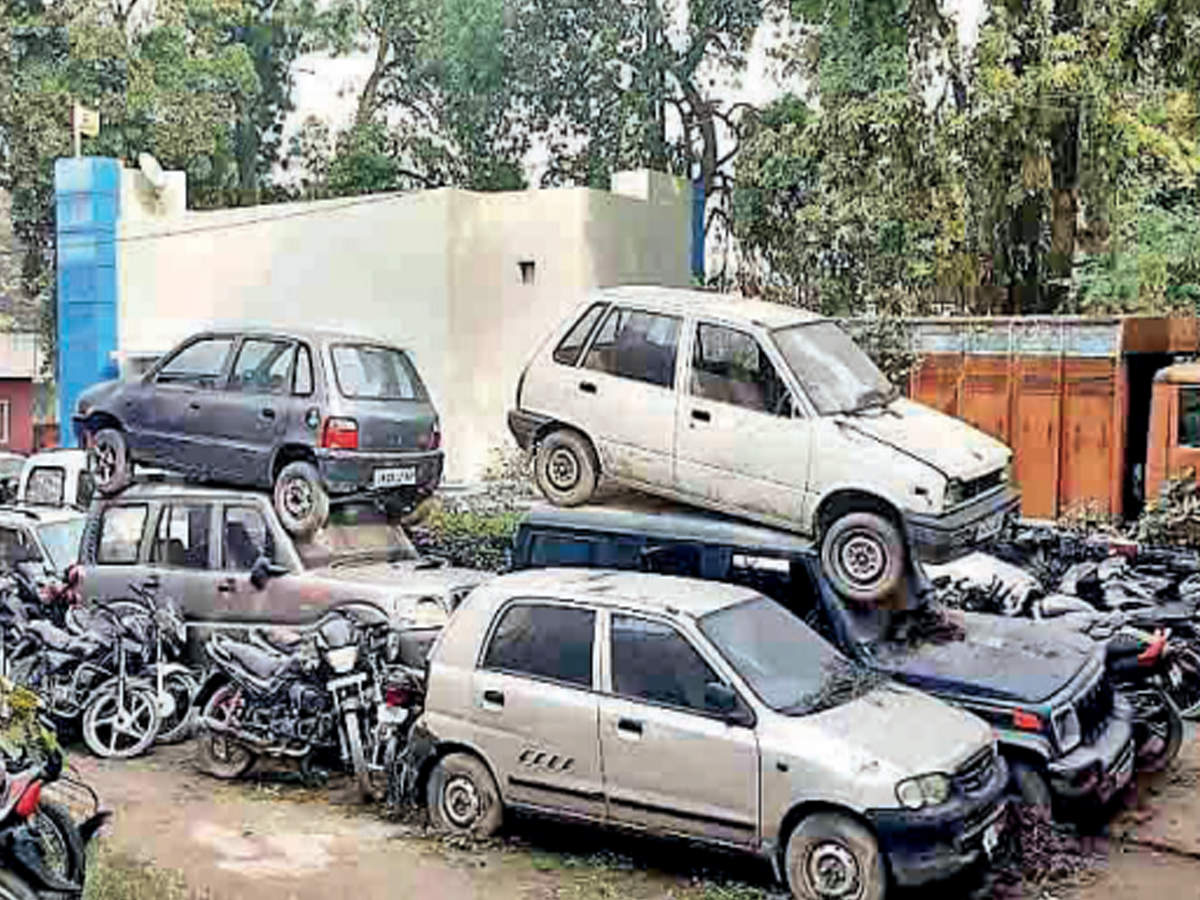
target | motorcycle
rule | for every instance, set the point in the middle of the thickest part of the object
(319, 694)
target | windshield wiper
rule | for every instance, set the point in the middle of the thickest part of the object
(872, 398)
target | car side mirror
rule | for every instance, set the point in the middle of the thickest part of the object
(263, 571)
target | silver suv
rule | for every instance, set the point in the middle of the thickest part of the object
(700, 710)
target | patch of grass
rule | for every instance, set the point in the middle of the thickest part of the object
(116, 875)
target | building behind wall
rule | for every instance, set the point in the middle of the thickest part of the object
(469, 282)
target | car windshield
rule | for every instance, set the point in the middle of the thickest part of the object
(10, 466)
(356, 534)
(366, 372)
(837, 375)
(61, 540)
(789, 666)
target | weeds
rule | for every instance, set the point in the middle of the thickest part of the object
(115, 875)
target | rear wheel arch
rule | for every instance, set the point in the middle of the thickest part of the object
(97, 420)
(847, 500)
(289, 453)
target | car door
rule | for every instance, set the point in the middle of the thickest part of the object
(247, 533)
(741, 444)
(116, 555)
(625, 394)
(182, 559)
(168, 413)
(249, 417)
(670, 763)
(534, 707)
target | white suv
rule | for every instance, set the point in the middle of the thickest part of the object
(759, 410)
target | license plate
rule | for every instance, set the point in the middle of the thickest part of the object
(394, 477)
(991, 839)
(990, 527)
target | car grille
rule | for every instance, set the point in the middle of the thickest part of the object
(977, 772)
(976, 819)
(982, 485)
(1093, 707)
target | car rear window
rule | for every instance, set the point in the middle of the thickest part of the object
(366, 372)
(45, 486)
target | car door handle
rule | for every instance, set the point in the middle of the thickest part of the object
(227, 586)
(267, 413)
(630, 726)
(152, 583)
(195, 404)
(701, 415)
(587, 387)
(496, 698)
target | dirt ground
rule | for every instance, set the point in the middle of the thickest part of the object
(178, 834)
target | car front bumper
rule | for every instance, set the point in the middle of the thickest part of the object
(941, 538)
(353, 471)
(931, 844)
(1100, 769)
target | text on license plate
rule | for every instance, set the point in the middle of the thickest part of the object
(395, 477)
(990, 527)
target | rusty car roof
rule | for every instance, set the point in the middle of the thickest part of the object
(710, 303)
(613, 588)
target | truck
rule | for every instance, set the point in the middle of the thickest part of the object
(1099, 412)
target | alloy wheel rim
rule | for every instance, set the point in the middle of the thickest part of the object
(461, 802)
(832, 871)
(297, 497)
(562, 469)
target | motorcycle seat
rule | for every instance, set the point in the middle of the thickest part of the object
(259, 663)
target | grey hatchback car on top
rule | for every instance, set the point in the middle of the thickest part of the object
(314, 415)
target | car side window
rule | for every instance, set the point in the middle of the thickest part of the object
(182, 539)
(729, 366)
(262, 367)
(120, 535)
(545, 641)
(1189, 417)
(567, 351)
(245, 537)
(302, 380)
(200, 363)
(46, 485)
(638, 345)
(652, 661)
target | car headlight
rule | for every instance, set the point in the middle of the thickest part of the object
(1066, 729)
(955, 491)
(923, 790)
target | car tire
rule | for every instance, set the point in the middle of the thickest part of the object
(862, 554)
(462, 797)
(566, 468)
(301, 501)
(1029, 787)
(111, 466)
(831, 855)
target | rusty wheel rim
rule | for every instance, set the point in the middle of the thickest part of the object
(832, 871)
(562, 469)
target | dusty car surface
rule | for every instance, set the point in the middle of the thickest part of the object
(313, 415)
(45, 538)
(226, 559)
(703, 711)
(1066, 734)
(58, 477)
(762, 411)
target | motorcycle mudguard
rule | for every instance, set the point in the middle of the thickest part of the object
(212, 684)
(89, 827)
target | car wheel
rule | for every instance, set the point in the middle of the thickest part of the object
(462, 797)
(862, 554)
(300, 499)
(1029, 787)
(832, 857)
(566, 468)
(111, 465)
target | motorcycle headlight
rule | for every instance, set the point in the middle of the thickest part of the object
(1066, 729)
(923, 790)
(955, 492)
(342, 659)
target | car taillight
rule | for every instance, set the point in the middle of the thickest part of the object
(398, 695)
(340, 434)
(29, 800)
(431, 440)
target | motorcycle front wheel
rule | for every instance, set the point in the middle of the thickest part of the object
(119, 731)
(1159, 729)
(176, 713)
(220, 756)
(62, 847)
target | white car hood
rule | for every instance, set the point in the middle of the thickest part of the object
(905, 729)
(950, 445)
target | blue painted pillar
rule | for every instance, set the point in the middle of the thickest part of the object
(87, 200)
(698, 199)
